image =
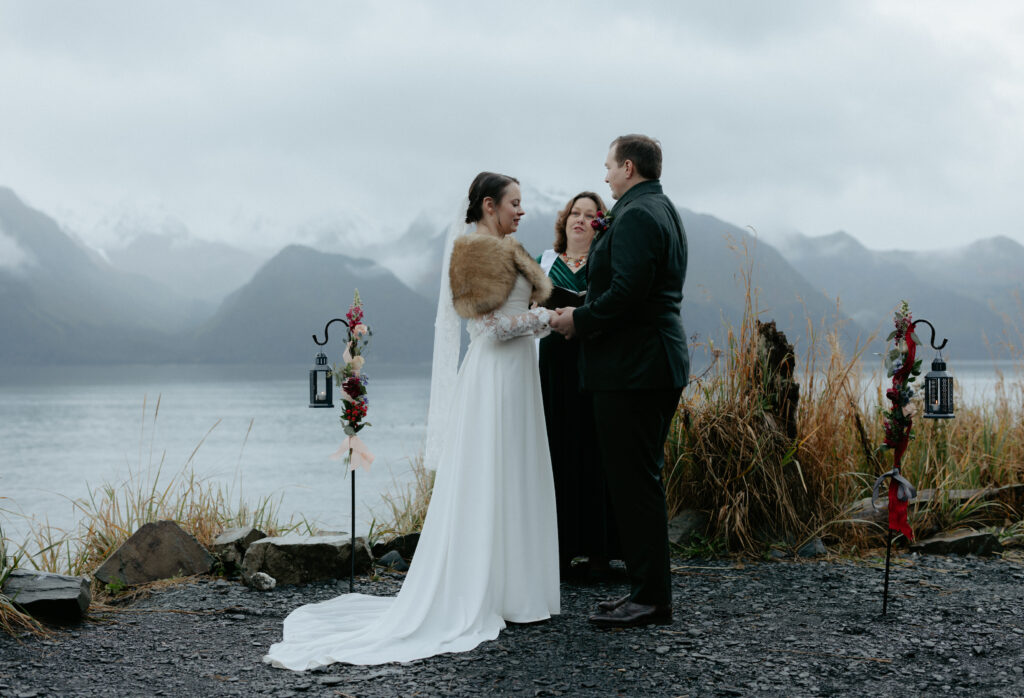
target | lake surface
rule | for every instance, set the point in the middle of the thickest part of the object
(250, 428)
(64, 430)
(974, 381)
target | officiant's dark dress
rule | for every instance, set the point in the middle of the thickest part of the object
(585, 522)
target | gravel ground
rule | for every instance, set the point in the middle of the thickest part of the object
(955, 626)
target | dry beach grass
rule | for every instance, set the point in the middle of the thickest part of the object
(728, 454)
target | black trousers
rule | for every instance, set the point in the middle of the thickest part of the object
(632, 426)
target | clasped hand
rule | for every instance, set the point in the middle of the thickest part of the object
(562, 322)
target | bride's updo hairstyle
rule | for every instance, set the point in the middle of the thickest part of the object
(486, 184)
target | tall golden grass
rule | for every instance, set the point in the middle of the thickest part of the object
(727, 455)
(406, 504)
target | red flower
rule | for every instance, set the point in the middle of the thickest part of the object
(353, 386)
(601, 222)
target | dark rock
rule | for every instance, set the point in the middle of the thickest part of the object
(403, 545)
(55, 597)
(230, 546)
(158, 550)
(295, 559)
(394, 561)
(687, 525)
(962, 542)
(812, 548)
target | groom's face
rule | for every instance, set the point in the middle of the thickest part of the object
(616, 176)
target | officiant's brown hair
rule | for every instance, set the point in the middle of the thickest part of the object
(561, 241)
(643, 151)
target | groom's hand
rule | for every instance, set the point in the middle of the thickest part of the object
(562, 323)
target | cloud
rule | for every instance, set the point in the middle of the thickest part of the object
(895, 121)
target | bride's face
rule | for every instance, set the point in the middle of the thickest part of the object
(510, 210)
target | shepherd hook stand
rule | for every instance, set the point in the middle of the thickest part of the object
(352, 473)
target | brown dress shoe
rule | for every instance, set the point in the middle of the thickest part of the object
(631, 614)
(612, 604)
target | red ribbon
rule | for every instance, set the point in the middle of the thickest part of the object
(897, 509)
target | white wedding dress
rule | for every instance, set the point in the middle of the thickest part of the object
(488, 552)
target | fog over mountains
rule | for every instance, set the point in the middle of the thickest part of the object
(162, 296)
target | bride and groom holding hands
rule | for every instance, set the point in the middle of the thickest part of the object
(488, 552)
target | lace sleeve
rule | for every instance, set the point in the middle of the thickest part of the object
(505, 326)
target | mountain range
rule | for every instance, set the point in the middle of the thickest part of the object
(971, 295)
(162, 296)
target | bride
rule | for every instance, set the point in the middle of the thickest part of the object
(488, 552)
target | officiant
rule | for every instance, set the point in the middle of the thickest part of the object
(586, 526)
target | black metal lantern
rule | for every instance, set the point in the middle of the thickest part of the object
(938, 383)
(938, 391)
(321, 384)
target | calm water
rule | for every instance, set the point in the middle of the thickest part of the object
(61, 434)
(63, 431)
(974, 381)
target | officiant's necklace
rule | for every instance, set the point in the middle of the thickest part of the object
(574, 262)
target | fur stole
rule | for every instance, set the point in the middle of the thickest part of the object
(483, 270)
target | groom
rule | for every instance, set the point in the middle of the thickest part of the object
(634, 362)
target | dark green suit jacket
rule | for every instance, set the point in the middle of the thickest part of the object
(631, 334)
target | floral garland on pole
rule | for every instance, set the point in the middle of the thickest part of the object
(352, 382)
(903, 366)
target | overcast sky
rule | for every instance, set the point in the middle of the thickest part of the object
(899, 122)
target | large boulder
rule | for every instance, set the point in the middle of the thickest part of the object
(403, 545)
(156, 551)
(55, 597)
(230, 546)
(296, 559)
(812, 548)
(393, 561)
(686, 526)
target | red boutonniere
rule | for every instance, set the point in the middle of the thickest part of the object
(602, 222)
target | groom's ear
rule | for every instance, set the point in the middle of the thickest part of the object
(628, 168)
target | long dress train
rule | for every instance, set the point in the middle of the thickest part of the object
(488, 552)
